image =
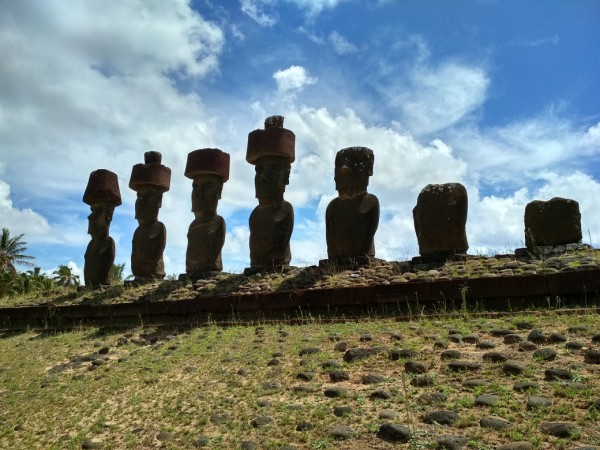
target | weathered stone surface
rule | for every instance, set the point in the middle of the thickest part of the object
(495, 423)
(551, 223)
(103, 195)
(535, 402)
(451, 442)
(341, 411)
(405, 353)
(209, 170)
(521, 445)
(592, 356)
(554, 374)
(486, 400)
(341, 432)
(393, 432)
(339, 375)
(352, 218)
(355, 354)
(558, 429)
(260, 421)
(442, 417)
(416, 366)
(271, 151)
(440, 217)
(545, 354)
(464, 366)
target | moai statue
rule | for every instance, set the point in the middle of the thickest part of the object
(552, 223)
(272, 151)
(209, 168)
(352, 218)
(102, 194)
(150, 180)
(440, 218)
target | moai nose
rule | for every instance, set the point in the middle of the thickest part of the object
(345, 170)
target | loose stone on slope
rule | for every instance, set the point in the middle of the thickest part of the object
(392, 432)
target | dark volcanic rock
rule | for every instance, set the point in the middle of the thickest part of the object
(546, 354)
(416, 366)
(535, 402)
(523, 386)
(260, 421)
(495, 357)
(355, 354)
(334, 392)
(521, 445)
(430, 398)
(450, 354)
(392, 432)
(339, 375)
(558, 429)
(451, 442)
(464, 366)
(494, 423)
(341, 432)
(592, 356)
(512, 367)
(341, 411)
(404, 353)
(558, 374)
(442, 417)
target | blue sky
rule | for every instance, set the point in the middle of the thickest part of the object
(502, 96)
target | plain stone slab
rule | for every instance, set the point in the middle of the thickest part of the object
(341, 411)
(442, 417)
(545, 354)
(523, 386)
(335, 392)
(341, 432)
(464, 366)
(388, 414)
(495, 357)
(403, 353)
(557, 374)
(451, 442)
(535, 402)
(512, 367)
(450, 354)
(380, 394)
(339, 375)
(355, 354)
(373, 378)
(558, 429)
(592, 356)
(392, 432)
(521, 445)
(494, 423)
(260, 421)
(487, 400)
(412, 366)
(429, 398)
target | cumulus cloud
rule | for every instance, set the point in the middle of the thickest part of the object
(20, 221)
(293, 79)
(340, 44)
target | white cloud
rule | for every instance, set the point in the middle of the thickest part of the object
(439, 97)
(20, 221)
(255, 9)
(315, 7)
(340, 44)
(293, 79)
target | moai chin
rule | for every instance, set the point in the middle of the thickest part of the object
(271, 151)
(440, 218)
(103, 195)
(150, 180)
(209, 169)
(352, 218)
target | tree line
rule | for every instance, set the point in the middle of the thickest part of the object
(13, 253)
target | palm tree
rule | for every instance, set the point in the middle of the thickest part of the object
(12, 252)
(64, 276)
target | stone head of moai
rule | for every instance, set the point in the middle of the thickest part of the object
(353, 167)
(353, 217)
(103, 195)
(209, 170)
(553, 222)
(440, 218)
(150, 180)
(271, 151)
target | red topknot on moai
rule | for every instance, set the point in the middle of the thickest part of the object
(150, 180)
(209, 169)
(272, 152)
(103, 195)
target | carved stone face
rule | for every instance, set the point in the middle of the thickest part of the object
(272, 175)
(352, 170)
(206, 192)
(149, 201)
(99, 219)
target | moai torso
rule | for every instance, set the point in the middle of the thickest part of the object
(270, 232)
(205, 241)
(99, 258)
(147, 247)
